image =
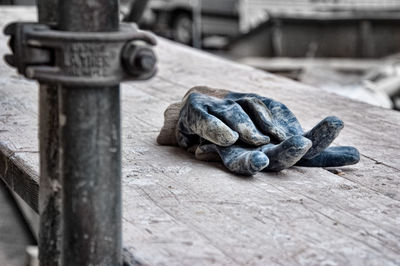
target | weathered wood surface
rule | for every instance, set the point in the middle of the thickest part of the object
(180, 211)
(278, 64)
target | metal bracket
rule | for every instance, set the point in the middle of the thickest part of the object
(81, 58)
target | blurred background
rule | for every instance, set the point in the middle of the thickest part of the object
(348, 47)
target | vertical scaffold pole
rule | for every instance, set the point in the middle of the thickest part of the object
(50, 187)
(89, 119)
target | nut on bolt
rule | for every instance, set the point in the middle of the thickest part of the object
(138, 58)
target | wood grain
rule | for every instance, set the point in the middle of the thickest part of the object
(180, 211)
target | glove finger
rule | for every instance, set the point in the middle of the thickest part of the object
(236, 118)
(262, 117)
(283, 117)
(333, 157)
(242, 161)
(322, 135)
(186, 140)
(208, 127)
(207, 152)
(287, 153)
(195, 119)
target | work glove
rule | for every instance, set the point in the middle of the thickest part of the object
(250, 133)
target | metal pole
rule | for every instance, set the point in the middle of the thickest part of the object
(49, 188)
(196, 27)
(136, 11)
(90, 149)
(80, 122)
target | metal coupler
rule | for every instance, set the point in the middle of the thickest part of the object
(81, 58)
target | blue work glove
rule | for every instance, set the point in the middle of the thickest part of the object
(238, 127)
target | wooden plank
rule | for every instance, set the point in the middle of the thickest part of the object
(180, 211)
(292, 64)
(13, 161)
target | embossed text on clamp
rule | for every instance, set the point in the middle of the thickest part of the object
(77, 58)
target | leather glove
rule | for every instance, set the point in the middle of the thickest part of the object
(237, 127)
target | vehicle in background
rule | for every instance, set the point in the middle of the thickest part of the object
(230, 18)
(18, 2)
(174, 18)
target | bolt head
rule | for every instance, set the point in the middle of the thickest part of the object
(146, 60)
(138, 58)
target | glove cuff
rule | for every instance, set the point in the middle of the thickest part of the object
(171, 117)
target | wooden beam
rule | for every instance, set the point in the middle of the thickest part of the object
(284, 64)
